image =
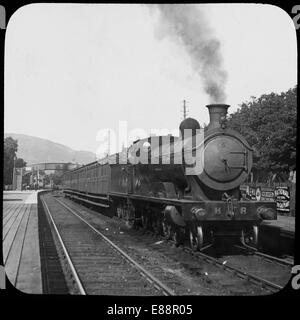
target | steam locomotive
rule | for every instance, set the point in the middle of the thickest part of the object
(185, 188)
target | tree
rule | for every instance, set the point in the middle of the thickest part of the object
(269, 124)
(20, 163)
(10, 151)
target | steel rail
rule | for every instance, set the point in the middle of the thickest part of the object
(72, 267)
(238, 271)
(157, 283)
(267, 256)
(282, 261)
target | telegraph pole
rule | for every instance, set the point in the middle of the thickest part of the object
(108, 148)
(184, 110)
(14, 174)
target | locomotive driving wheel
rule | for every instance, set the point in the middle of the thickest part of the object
(130, 223)
(119, 212)
(255, 236)
(177, 235)
(156, 225)
(196, 238)
(166, 230)
(250, 238)
(145, 221)
(129, 215)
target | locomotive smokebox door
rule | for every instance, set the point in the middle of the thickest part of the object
(224, 159)
(227, 155)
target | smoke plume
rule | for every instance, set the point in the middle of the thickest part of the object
(188, 25)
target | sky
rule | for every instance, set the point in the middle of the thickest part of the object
(73, 71)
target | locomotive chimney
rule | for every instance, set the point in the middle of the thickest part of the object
(217, 115)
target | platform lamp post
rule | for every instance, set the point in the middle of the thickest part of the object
(14, 173)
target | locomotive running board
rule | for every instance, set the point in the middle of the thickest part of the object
(86, 195)
(98, 204)
(155, 199)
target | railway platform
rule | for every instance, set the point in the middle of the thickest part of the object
(21, 254)
(279, 235)
(285, 223)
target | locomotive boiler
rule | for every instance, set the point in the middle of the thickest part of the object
(183, 187)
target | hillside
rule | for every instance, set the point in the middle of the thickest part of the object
(37, 150)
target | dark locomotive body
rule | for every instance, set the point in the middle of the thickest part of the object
(186, 186)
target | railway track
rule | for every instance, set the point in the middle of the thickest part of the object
(269, 277)
(98, 265)
(270, 273)
(255, 270)
(287, 262)
(53, 278)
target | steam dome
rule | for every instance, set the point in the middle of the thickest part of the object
(189, 123)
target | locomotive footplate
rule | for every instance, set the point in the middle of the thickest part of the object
(205, 211)
(229, 211)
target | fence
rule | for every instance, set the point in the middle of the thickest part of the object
(284, 193)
